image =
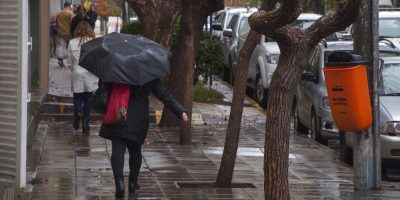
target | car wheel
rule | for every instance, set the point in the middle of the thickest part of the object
(231, 78)
(298, 126)
(346, 153)
(316, 129)
(231, 73)
(226, 74)
(261, 94)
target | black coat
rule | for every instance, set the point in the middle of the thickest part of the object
(76, 20)
(137, 124)
(92, 18)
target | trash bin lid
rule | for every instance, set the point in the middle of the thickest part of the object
(345, 59)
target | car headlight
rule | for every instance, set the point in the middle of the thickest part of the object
(273, 58)
(325, 103)
(392, 128)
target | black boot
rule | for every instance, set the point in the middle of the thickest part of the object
(133, 186)
(77, 120)
(119, 188)
(85, 126)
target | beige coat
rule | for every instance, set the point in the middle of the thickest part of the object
(63, 22)
(81, 80)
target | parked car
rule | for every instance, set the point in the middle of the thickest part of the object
(222, 18)
(265, 58)
(230, 40)
(389, 24)
(311, 104)
(389, 115)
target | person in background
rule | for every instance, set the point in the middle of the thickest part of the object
(53, 36)
(80, 16)
(91, 13)
(63, 22)
(83, 82)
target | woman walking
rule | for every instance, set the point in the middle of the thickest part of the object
(83, 82)
(132, 133)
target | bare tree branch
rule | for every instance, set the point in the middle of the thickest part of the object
(262, 21)
(345, 15)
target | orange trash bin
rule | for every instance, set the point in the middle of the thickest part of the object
(348, 93)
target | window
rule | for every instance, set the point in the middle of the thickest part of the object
(232, 23)
(315, 67)
(390, 80)
(389, 27)
(310, 59)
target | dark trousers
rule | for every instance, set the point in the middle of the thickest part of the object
(117, 158)
(81, 104)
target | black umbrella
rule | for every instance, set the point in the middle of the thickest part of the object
(123, 58)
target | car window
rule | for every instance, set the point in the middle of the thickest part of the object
(232, 23)
(221, 17)
(218, 17)
(303, 23)
(243, 21)
(268, 39)
(389, 53)
(315, 67)
(389, 27)
(390, 80)
(310, 58)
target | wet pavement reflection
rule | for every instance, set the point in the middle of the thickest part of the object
(65, 164)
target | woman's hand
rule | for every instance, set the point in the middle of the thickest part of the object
(185, 118)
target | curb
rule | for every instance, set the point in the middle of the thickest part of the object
(197, 118)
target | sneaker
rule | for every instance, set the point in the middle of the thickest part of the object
(61, 63)
(77, 120)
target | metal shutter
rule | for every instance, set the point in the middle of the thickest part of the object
(12, 96)
(8, 89)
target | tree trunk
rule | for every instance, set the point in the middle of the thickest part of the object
(225, 173)
(295, 44)
(158, 18)
(282, 89)
(182, 60)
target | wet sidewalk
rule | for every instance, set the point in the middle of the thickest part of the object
(64, 164)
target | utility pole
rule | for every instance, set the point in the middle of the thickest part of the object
(366, 151)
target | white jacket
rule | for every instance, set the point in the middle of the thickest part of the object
(81, 79)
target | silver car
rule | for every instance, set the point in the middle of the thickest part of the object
(389, 111)
(265, 56)
(311, 104)
(230, 41)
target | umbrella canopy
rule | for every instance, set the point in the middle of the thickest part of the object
(123, 58)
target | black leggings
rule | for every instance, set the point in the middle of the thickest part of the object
(117, 158)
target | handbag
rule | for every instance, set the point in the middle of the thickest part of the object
(117, 106)
(99, 99)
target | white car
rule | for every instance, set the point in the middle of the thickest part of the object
(223, 17)
(230, 41)
(265, 58)
(389, 25)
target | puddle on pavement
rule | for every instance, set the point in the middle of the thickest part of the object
(211, 185)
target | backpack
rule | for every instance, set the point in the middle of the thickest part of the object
(117, 106)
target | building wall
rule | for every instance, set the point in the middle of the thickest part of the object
(44, 46)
